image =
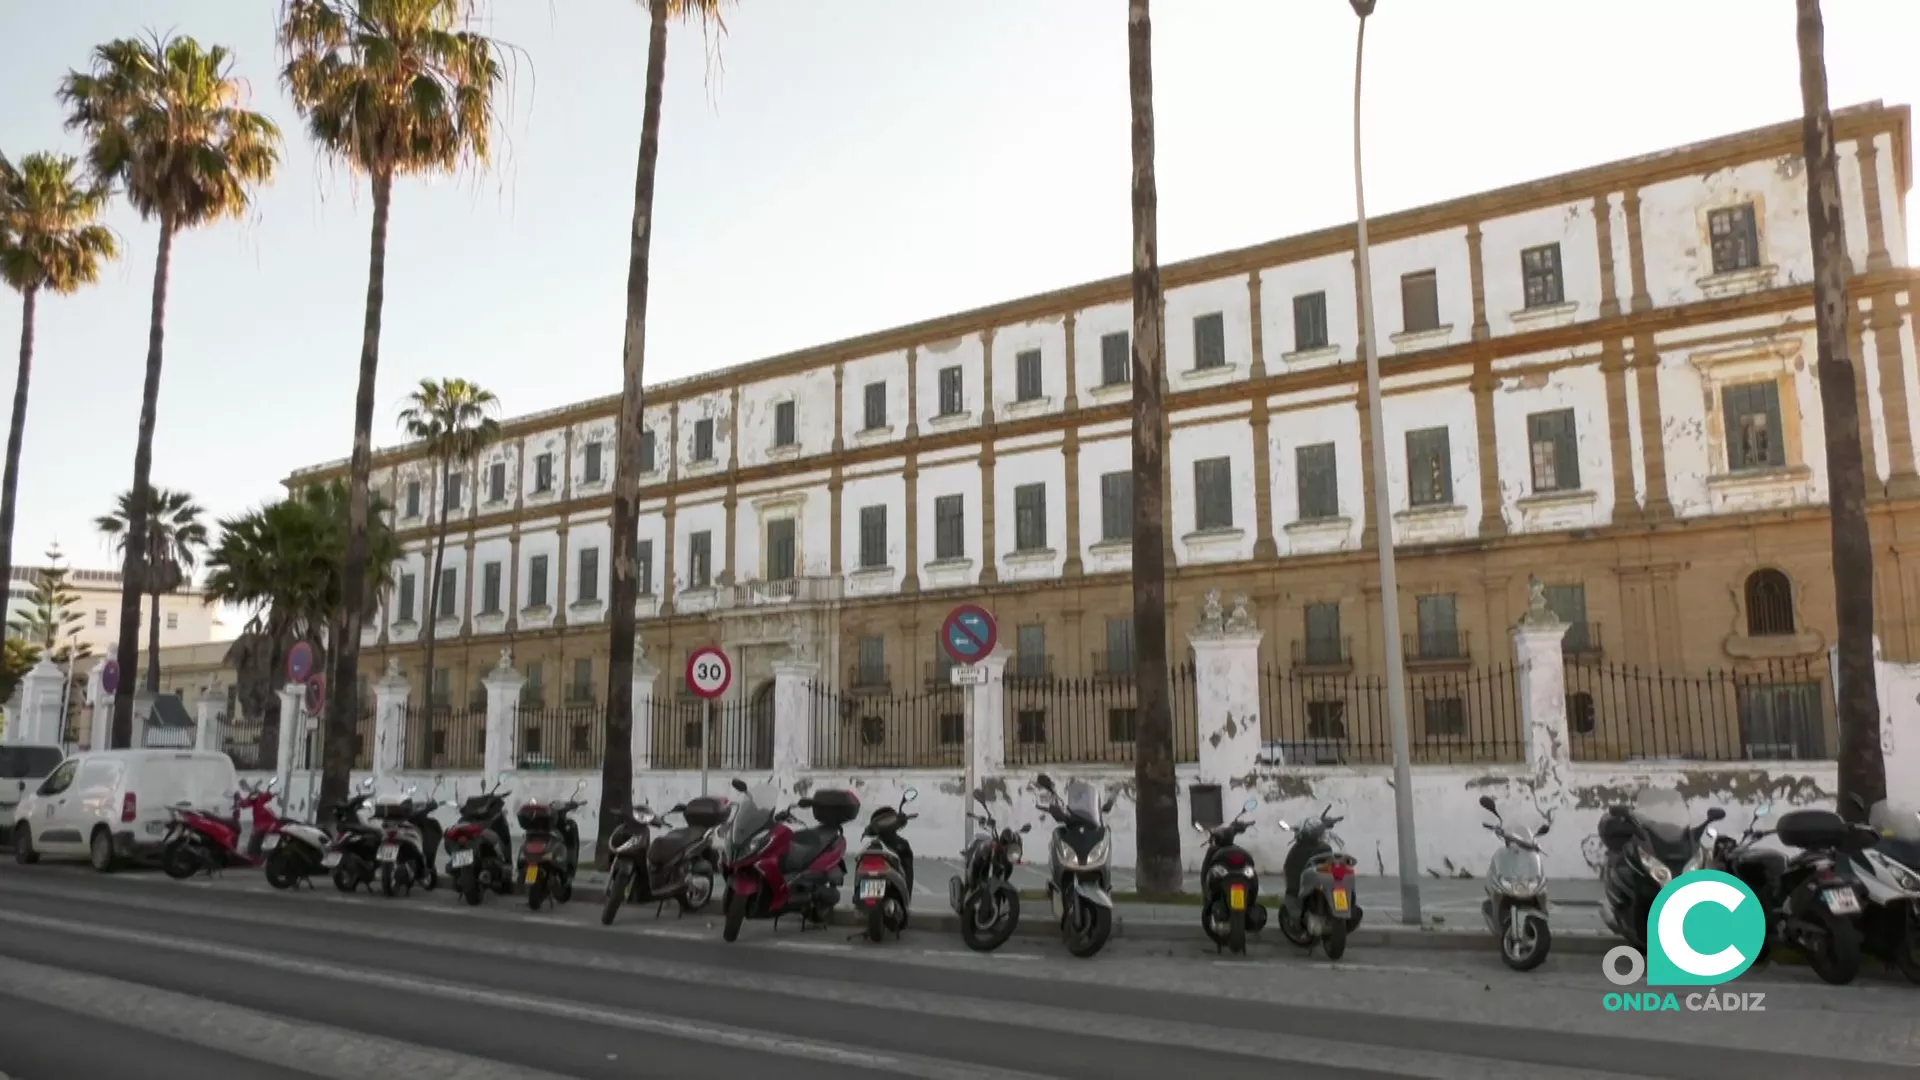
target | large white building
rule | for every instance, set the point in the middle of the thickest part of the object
(185, 617)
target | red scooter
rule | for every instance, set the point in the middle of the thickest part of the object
(774, 869)
(201, 841)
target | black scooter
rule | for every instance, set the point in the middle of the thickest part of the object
(1229, 884)
(355, 847)
(549, 849)
(985, 899)
(1643, 855)
(678, 865)
(1812, 897)
(480, 847)
(883, 873)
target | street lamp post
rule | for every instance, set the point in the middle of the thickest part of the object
(1383, 524)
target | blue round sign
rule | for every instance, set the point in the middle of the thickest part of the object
(110, 676)
(299, 662)
(968, 634)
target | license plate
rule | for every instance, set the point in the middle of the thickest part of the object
(155, 828)
(873, 889)
(533, 874)
(1237, 898)
(330, 860)
(389, 852)
(270, 842)
(1841, 901)
(459, 859)
(1340, 901)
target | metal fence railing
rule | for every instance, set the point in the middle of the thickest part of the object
(738, 735)
(1051, 720)
(566, 737)
(442, 737)
(1777, 712)
(1470, 715)
(853, 730)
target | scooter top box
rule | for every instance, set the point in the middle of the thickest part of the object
(706, 812)
(1812, 829)
(835, 806)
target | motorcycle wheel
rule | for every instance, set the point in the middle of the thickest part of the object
(876, 923)
(1335, 942)
(987, 921)
(537, 892)
(386, 879)
(697, 893)
(179, 861)
(1092, 933)
(1237, 932)
(1906, 950)
(279, 869)
(618, 882)
(1837, 960)
(1212, 922)
(1294, 928)
(1535, 942)
(562, 888)
(428, 877)
(346, 876)
(736, 914)
(470, 885)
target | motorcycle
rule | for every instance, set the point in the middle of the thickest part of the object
(776, 869)
(1647, 845)
(1321, 905)
(678, 865)
(199, 841)
(355, 848)
(298, 850)
(1890, 871)
(480, 847)
(409, 842)
(1079, 877)
(1812, 899)
(549, 848)
(883, 872)
(985, 899)
(1229, 884)
(1516, 903)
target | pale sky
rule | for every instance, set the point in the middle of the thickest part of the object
(857, 164)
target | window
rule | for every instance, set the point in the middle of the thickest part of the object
(1569, 604)
(1735, 237)
(1213, 494)
(1030, 658)
(951, 403)
(1116, 359)
(1419, 301)
(1755, 438)
(693, 734)
(873, 537)
(497, 482)
(100, 617)
(953, 728)
(413, 498)
(1209, 341)
(876, 406)
(1445, 716)
(406, 597)
(700, 560)
(873, 730)
(490, 589)
(1327, 719)
(1437, 628)
(1030, 517)
(783, 429)
(1582, 716)
(456, 487)
(643, 567)
(449, 587)
(647, 463)
(1122, 723)
(582, 688)
(1317, 482)
(1555, 451)
(1030, 726)
(1782, 722)
(593, 475)
(1310, 322)
(780, 552)
(949, 527)
(543, 473)
(1120, 646)
(531, 691)
(873, 661)
(1116, 507)
(1540, 271)
(1769, 604)
(537, 581)
(942, 663)
(1026, 376)
(1323, 635)
(442, 688)
(589, 575)
(1429, 468)
(703, 440)
(173, 620)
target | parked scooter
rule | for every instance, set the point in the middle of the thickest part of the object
(1812, 897)
(985, 899)
(354, 851)
(1229, 884)
(1647, 845)
(777, 869)
(679, 865)
(480, 847)
(410, 839)
(883, 873)
(549, 848)
(1890, 872)
(200, 841)
(298, 850)
(1516, 903)
(1322, 904)
(1079, 874)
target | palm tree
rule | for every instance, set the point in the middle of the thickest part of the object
(616, 762)
(1157, 829)
(175, 537)
(285, 564)
(163, 119)
(391, 88)
(454, 418)
(1862, 767)
(49, 242)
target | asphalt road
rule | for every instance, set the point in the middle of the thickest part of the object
(134, 976)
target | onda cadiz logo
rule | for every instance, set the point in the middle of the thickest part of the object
(1706, 928)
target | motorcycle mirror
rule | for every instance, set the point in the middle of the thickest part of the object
(1762, 811)
(1486, 803)
(1715, 814)
(1044, 783)
(805, 804)
(1108, 805)
(1199, 828)
(909, 795)
(1620, 812)
(1250, 805)
(1542, 830)
(740, 785)
(980, 796)
(677, 807)
(1027, 828)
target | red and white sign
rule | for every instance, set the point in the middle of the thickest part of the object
(316, 695)
(709, 672)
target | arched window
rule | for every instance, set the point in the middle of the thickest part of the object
(1769, 604)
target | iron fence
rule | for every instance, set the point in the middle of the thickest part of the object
(738, 735)
(570, 737)
(1091, 720)
(1455, 716)
(363, 729)
(1776, 712)
(855, 731)
(443, 737)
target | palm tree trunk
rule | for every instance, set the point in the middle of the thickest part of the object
(133, 567)
(432, 614)
(616, 761)
(16, 435)
(1862, 769)
(153, 644)
(1157, 823)
(337, 754)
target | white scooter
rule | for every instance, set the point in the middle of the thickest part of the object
(1516, 903)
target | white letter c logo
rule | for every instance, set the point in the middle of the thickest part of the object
(1673, 921)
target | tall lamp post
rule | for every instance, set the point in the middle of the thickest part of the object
(1383, 524)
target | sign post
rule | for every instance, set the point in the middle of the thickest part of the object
(968, 635)
(709, 674)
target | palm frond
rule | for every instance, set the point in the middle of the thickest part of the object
(50, 238)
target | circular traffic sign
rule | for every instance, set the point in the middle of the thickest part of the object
(316, 695)
(110, 676)
(709, 672)
(968, 634)
(299, 662)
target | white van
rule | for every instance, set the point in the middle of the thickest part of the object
(22, 768)
(114, 805)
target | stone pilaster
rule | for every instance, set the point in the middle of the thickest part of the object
(1226, 667)
(390, 692)
(503, 685)
(1477, 278)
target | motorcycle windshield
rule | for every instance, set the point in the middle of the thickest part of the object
(1895, 821)
(1664, 815)
(753, 812)
(1083, 801)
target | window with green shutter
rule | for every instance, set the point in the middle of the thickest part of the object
(780, 553)
(783, 430)
(1317, 482)
(1755, 437)
(949, 527)
(1116, 506)
(1116, 359)
(1026, 376)
(1310, 322)
(1209, 341)
(1213, 494)
(1555, 451)
(873, 537)
(1429, 467)
(1569, 604)
(1030, 517)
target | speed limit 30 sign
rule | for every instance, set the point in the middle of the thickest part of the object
(709, 672)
